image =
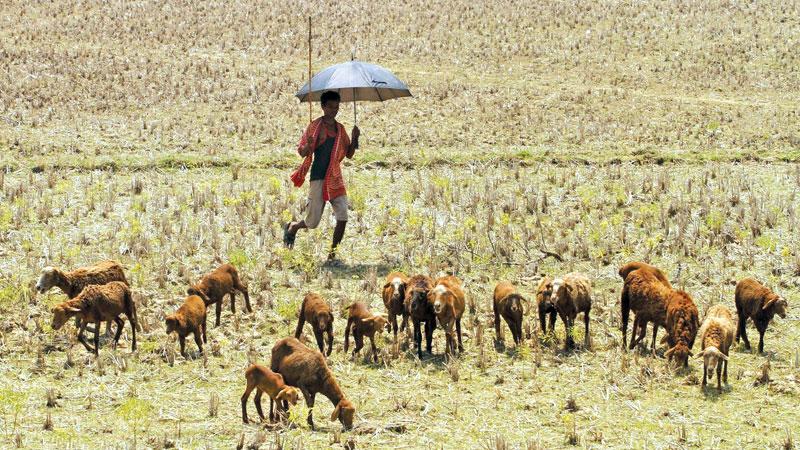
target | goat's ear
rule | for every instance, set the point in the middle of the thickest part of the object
(336, 411)
(690, 353)
(74, 309)
(701, 354)
(283, 394)
(769, 303)
(669, 352)
(723, 356)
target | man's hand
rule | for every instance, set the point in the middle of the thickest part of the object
(306, 150)
(356, 133)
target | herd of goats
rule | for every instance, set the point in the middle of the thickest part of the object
(100, 293)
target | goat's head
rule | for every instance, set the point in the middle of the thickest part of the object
(172, 323)
(712, 356)
(62, 313)
(345, 412)
(290, 394)
(778, 304)
(679, 353)
(47, 279)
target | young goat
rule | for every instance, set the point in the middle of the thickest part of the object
(72, 283)
(420, 310)
(306, 369)
(447, 298)
(393, 294)
(544, 303)
(363, 323)
(508, 303)
(318, 313)
(265, 380)
(189, 318)
(97, 303)
(215, 285)
(572, 294)
(758, 302)
(682, 324)
(716, 337)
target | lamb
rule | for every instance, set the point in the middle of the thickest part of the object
(363, 323)
(508, 303)
(420, 310)
(264, 380)
(393, 295)
(216, 284)
(189, 318)
(447, 298)
(716, 337)
(318, 313)
(306, 368)
(72, 283)
(640, 321)
(758, 302)
(682, 323)
(98, 303)
(646, 295)
(572, 294)
(544, 294)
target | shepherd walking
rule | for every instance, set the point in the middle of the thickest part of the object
(323, 146)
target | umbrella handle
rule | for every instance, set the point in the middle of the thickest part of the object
(355, 114)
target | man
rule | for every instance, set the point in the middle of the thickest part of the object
(323, 145)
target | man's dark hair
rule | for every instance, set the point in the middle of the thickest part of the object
(328, 96)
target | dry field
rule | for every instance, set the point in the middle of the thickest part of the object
(160, 134)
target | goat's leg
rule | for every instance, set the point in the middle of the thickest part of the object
(233, 302)
(97, 338)
(586, 337)
(330, 339)
(705, 373)
(719, 374)
(458, 331)
(310, 404)
(725, 373)
(496, 322)
(318, 337)
(429, 327)
(553, 322)
(245, 396)
(120, 323)
(218, 311)
(197, 340)
(183, 345)
(205, 327)
(743, 332)
(81, 337)
(257, 401)
(299, 330)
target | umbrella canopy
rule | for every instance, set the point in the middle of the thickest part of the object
(355, 81)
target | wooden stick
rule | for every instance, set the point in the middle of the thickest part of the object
(310, 113)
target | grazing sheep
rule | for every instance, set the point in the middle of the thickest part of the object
(363, 323)
(98, 303)
(393, 295)
(572, 294)
(682, 323)
(216, 284)
(640, 322)
(646, 295)
(420, 310)
(508, 303)
(758, 302)
(306, 369)
(189, 318)
(318, 313)
(716, 337)
(544, 294)
(264, 380)
(447, 298)
(72, 283)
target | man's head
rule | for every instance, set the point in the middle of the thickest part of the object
(330, 103)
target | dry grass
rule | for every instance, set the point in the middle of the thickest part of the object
(200, 105)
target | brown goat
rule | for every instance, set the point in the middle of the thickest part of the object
(716, 338)
(758, 302)
(682, 324)
(544, 302)
(318, 313)
(640, 320)
(306, 369)
(420, 310)
(264, 380)
(218, 283)
(189, 318)
(72, 283)
(393, 295)
(509, 304)
(97, 303)
(646, 295)
(572, 294)
(363, 323)
(447, 299)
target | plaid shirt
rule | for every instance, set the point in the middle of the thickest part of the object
(333, 185)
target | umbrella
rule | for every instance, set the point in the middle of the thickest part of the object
(355, 81)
